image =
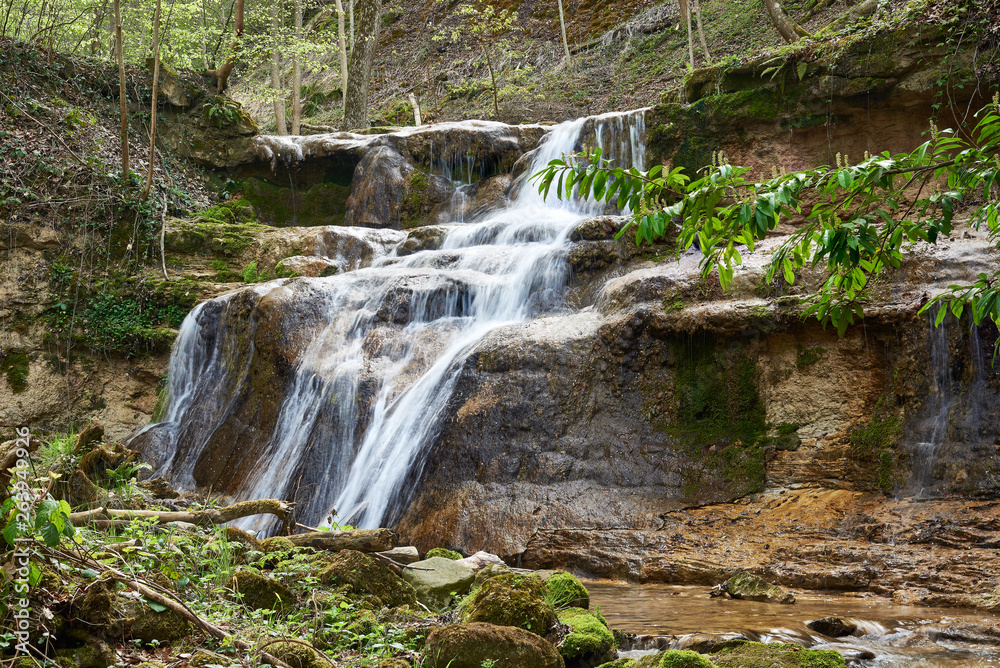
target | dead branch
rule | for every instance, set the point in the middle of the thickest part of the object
(199, 517)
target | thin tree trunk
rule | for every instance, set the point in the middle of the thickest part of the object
(120, 57)
(360, 68)
(156, 82)
(204, 41)
(493, 80)
(351, 9)
(701, 30)
(562, 27)
(686, 11)
(789, 30)
(279, 102)
(416, 108)
(297, 72)
(222, 73)
(342, 40)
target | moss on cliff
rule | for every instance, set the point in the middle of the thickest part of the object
(15, 366)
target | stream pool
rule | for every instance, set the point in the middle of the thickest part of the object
(896, 635)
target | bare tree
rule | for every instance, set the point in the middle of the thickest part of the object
(562, 27)
(152, 113)
(297, 72)
(686, 13)
(279, 101)
(360, 68)
(789, 30)
(341, 38)
(701, 30)
(119, 56)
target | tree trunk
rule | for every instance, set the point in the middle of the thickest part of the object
(362, 540)
(279, 101)
(360, 68)
(119, 56)
(342, 38)
(200, 517)
(416, 108)
(351, 9)
(222, 74)
(789, 30)
(562, 27)
(493, 80)
(686, 12)
(152, 120)
(297, 72)
(701, 30)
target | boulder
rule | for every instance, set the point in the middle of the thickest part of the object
(394, 663)
(367, 576)
(442, 580)
(297, 654)
(304, 265)
(259, 592)
(776, 655)
(589, 638)
(151, 626)
(481, 560)
(834, 627)
(511, 600)
(749, 587)
(565, 591)
(708, 643)
(488, 572)
(682, 658)
(473, 645)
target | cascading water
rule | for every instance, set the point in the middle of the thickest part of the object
(370, 386)
(932, 429)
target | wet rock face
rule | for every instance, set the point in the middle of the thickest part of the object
(402, 179)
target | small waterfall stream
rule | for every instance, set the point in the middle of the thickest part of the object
(506, 266)
(932, 428)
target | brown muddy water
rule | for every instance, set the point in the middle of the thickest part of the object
(896, 635)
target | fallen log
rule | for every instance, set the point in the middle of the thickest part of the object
(199, 517)
(362, 540)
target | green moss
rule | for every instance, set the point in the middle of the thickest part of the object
(618, 663)
(683, 658)
(411, 212)
(234, 212)
(151, 627)
(443, 552)
(776, 655)
(761, 104)
(809, 356)
(211, 237)
(297, 655)
(323, 203)
(589, 635)
(367, 576)
(511, 600)
(565, 591)
(15, 366)
(259, 592)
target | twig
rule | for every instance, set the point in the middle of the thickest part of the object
(58, 138)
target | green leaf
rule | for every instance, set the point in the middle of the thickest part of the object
(156, 607)
(942, 312)
(50, 534)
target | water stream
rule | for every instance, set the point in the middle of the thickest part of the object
(898, 636)
(507, 266)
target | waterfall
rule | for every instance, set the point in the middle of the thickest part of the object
(931, 430)
(371, 384)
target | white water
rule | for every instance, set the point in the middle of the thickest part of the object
(398, 332)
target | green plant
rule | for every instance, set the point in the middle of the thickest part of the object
(223, 111)
(857, 221)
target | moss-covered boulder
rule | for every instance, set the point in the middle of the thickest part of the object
(565, 591)
(394, 663)
(473, 645)
(443, 552)
(750, 587)
(438, 580)
(297, 654)
(156, 627)
(367, 576)
(95, 654)
(511, 600)
(588, 639)
(488, 572)
(683, 658)
(618, 663)
(777, 655)
(260, 592)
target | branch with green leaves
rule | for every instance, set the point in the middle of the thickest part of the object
(853, 219)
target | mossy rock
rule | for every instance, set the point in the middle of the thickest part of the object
(297, 654)
(473, 645)
(589, 637)
(276, 544)
(683, 658)
(98, 606)
(511, 600)
(490, 571)
(750, 587)
(777, 655)
(394, 663)
(162, 628)
(259, 592)
(367, 576)
(202, 658)
(443, 552)
(15, 367)
(566, 591)
(96, 654)
(618, 663)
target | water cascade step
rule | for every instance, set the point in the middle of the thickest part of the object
(331, 390)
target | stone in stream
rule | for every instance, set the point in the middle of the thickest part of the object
(438, 580)
(473, 645)
(707, 643)
(510, 599)
(834, 627)
(750, 587)
(567, 591)
(589, 639)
